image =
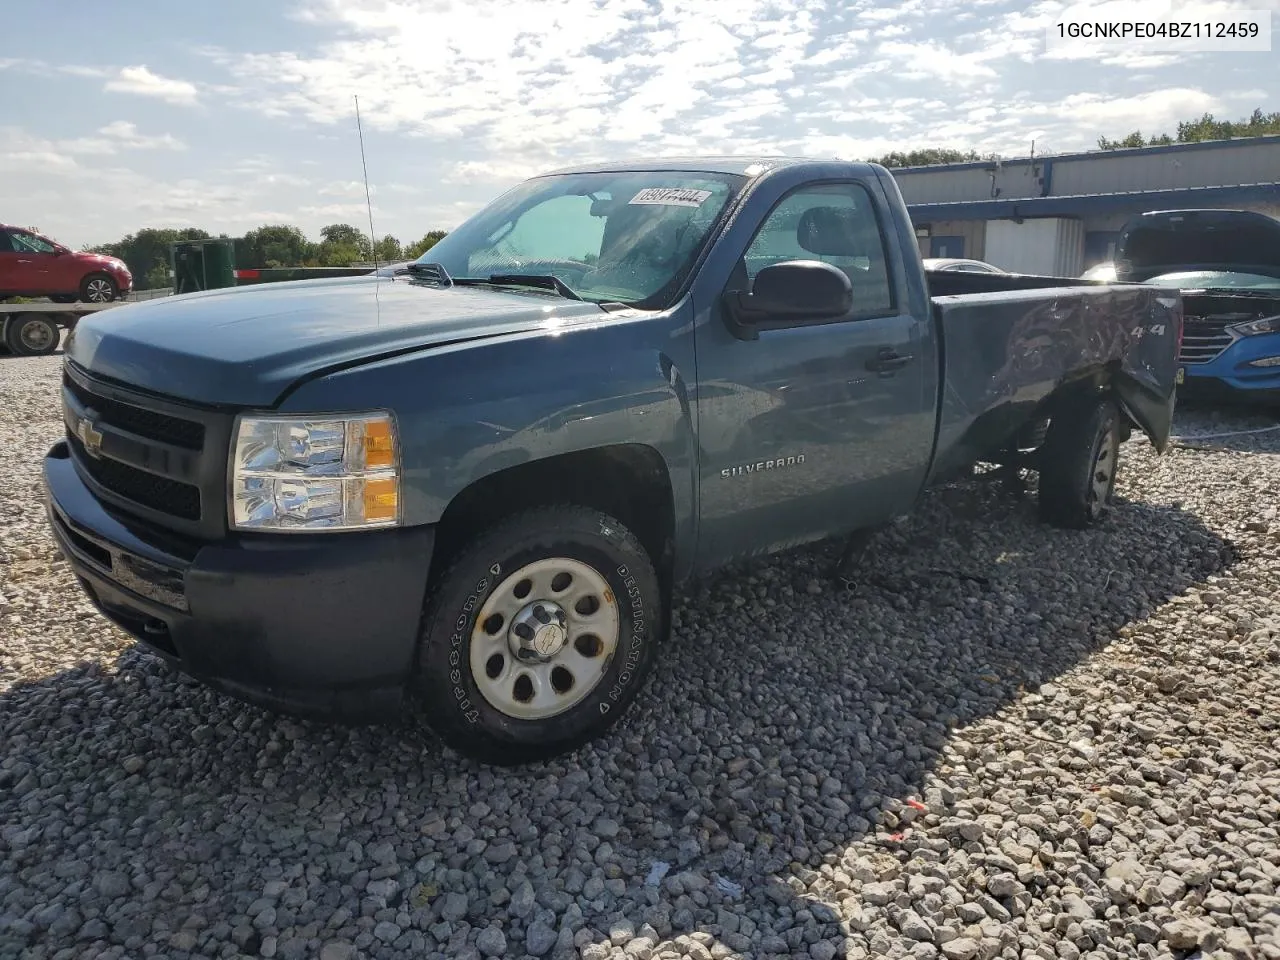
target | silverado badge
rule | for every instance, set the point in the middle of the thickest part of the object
(760, 466)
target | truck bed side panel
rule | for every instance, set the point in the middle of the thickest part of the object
(1005, 353)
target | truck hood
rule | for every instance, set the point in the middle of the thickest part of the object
(1174, 241)
(245, 346)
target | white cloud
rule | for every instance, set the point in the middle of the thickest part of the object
(1159, 110)
(459, 100)
(344, 188)
(23, 153)
(503, 74)
(121, 135)
(80, 70)
(935, 61)
(143, 82)
(496, 170)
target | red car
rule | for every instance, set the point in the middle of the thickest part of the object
(35, 266)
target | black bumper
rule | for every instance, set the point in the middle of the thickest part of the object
(320, 625)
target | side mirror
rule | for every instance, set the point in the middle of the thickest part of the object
(59, 250)
(789, 293)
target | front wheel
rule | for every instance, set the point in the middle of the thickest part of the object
(98, 288)
(539, 636)
(1078, 463)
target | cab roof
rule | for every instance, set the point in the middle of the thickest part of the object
(744, 166)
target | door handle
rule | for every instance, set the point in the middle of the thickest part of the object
(888, 360)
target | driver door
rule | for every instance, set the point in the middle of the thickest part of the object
(810, 430)
(9, 267)
(36, 264)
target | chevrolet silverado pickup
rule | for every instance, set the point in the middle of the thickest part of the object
(468, 490)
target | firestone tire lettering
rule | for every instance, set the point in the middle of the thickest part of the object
(460, 629)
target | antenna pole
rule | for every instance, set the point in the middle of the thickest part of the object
(373, 238)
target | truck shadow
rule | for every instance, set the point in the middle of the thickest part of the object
(6, 355)
(790, 718)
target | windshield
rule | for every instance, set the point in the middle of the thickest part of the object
(1216, 280)
(628, 237)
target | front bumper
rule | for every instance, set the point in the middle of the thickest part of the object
(321, 625)
(1233, 368)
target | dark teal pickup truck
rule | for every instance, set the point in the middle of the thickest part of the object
(469, 489)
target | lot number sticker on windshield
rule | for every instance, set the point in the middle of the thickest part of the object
(671, 196)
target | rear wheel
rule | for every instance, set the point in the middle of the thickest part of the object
(539, 636)
(1078, 463)
(98, 288)
(31, 335)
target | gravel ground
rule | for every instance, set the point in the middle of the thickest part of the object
(996, 740)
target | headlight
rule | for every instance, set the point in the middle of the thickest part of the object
(315, 473)
(1255, 327)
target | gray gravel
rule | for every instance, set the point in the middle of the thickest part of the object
(997, 740)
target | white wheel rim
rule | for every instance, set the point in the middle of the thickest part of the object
(99, 291)
(1104, 468)
(540, 676)
(35, 335)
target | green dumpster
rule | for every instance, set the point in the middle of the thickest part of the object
(203, 264)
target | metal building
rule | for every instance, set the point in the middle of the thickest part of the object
(1059, 215)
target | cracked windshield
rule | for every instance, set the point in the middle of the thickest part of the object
(626, 238)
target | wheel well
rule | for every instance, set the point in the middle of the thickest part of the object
(1097, 383)
(1090, 385)
(627, 481)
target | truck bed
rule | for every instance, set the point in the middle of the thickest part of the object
(1009, 341)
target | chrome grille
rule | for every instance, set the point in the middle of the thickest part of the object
(160, 459)
(1203, 340)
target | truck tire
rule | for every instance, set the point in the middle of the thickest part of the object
(32, 335)
(538, 637)
(1078, 464)
(98, 288)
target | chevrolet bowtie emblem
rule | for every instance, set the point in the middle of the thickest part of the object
(89, 436)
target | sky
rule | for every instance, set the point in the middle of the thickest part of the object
(228, 115)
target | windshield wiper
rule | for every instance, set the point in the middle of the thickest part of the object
(437, 272)
(543, 281)
(431, 271)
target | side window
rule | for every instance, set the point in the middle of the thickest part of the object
(834, 223)
(6, 245)
(29, 242)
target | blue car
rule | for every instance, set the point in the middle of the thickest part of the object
(1226, 263)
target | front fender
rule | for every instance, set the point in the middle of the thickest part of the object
(469, 410)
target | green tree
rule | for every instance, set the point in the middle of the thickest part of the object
(1134, 139)
(388, 250)
(414, 250)
(341, 244)
(927, 157)
(273, 245)
(343, 234)
(1207, 127)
